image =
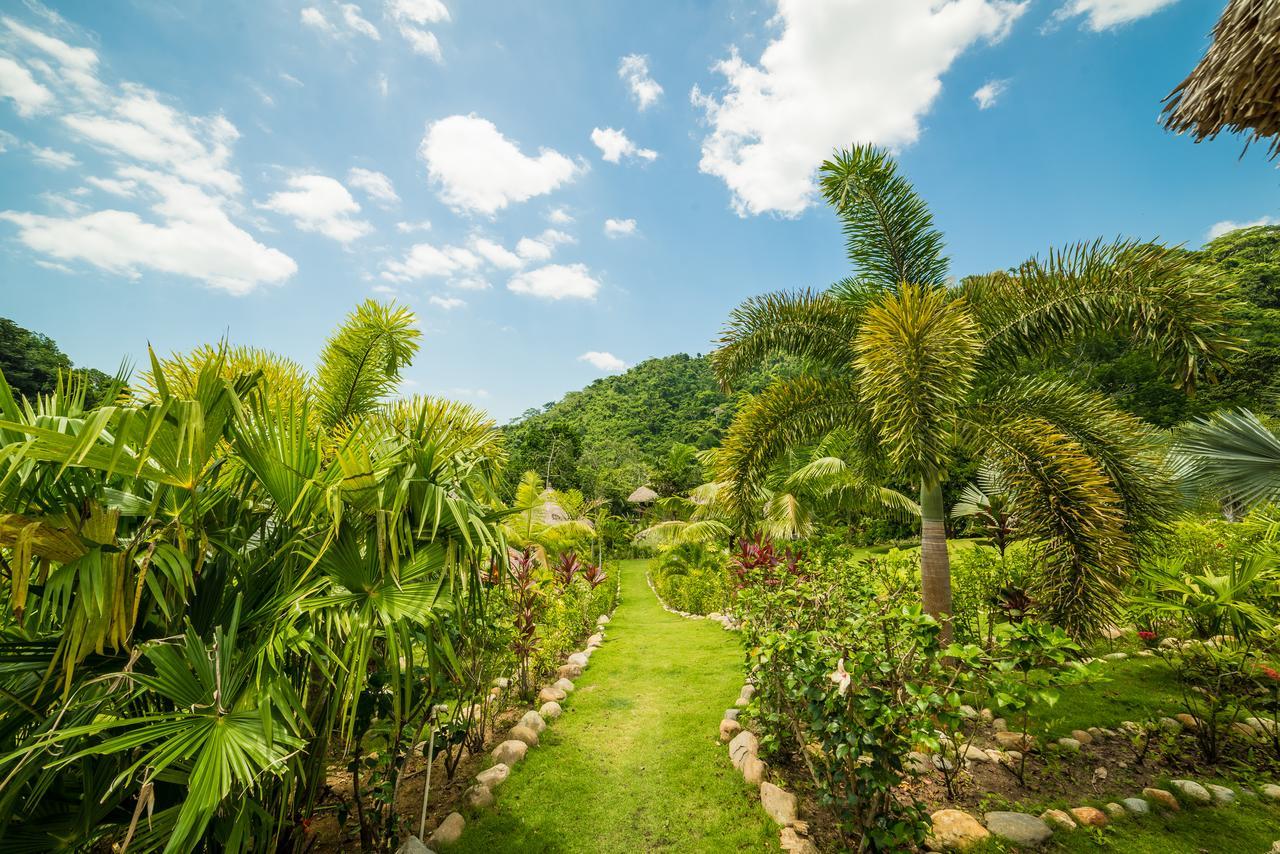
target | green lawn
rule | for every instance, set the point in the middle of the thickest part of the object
(1135, 689)
(1248, 826)
(634, 764)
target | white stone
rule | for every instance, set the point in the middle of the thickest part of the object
(510, 752)
(1221, 794)
(602, 620)
(579, 658)
(533, 721)
(1192, 790)
(564, 685)
(413, 845)
(780, 805)
(550, 710)
(1017, 827)
(449, 831)
(479, 796)
(494, 776)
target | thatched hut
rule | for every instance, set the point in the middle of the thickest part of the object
(642, 495)
(1236, 87)
(552, 512)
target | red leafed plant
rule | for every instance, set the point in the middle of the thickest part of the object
(595, 575)
(567, 568)
(758, 560)
(525, 593)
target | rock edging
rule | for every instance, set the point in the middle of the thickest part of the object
(725, 620)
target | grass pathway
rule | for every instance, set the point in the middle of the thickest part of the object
(634, 764)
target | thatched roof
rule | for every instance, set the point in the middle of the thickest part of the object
(1236, 87)
(642, 495)
(552, 512)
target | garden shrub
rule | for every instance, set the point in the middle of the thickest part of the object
(693, 577)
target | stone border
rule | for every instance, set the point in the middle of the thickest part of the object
(515, 746)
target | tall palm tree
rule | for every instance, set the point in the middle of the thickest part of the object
(916, 369)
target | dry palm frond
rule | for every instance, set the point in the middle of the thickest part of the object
(1236, 87)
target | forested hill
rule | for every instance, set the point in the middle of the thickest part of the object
(618, 433)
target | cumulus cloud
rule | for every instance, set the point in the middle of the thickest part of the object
(320, 204)
(619, 227)
(479, 170)
(411, 227)
(556, 282)
(174, 166)
(425, 261)
(634, 70)
(559, 216)
(470, 283)
(16, 83)
(194, 238)
(496, 254)
(840, 71)
(1227, 226)
(614, 145)
(446, 303)
(989, 93)
(1102, 15)
(411, 16)
(375, 184)
(603, 361)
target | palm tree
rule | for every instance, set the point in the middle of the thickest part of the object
(916, 369)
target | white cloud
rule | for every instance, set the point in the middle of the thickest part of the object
(603, 361)
(1104, 14)
(143, 128)
(556, 282)
(62, 203)
(470, 283)
(384, 85)
(411, 227)
(357, 23)
(7, 141)
(377, 185)
(634, 69)
(1226, 226)
(840, 72)
(411, 15)
(320, 204)
(619, 227)
(470, 392)
(496, 254)
(290, 79)
(313, 17)
(614, 145)
(114, 186)
(480, 170)
(176, 165)
(418, 11)
(559, 216)
(54, 158)
(989, 93)
(447, 303)
(426, 261)
(530, 249)
(195, 238)
(17, 84)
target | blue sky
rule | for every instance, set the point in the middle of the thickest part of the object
(557, 189)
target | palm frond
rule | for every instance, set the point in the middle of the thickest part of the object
(1233, 452)
(917, 352)
(812, 327)
(361, 362)
(1162, 299)
(891, 238)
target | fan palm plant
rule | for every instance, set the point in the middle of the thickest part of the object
(1233, 453)
(915, 370)
(201, 582)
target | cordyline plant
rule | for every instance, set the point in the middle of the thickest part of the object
(566, 569)
(919, 371)
(526, 602)
(595, 575)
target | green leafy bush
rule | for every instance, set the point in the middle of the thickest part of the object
(693, 577)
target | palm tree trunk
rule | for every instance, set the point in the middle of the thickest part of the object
(935, 565)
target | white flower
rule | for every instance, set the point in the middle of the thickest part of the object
(841, 677)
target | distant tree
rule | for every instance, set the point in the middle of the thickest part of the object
(30, 360)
